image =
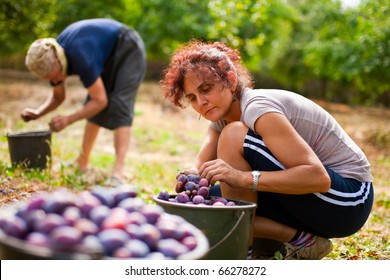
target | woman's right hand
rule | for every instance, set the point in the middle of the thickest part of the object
(29, 114)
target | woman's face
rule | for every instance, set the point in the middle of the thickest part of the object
(208, 97)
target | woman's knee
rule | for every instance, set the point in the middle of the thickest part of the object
(233, 134)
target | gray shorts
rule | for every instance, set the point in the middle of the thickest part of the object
(123, 73)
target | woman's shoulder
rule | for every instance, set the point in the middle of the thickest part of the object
(272, 96)
(260, 95)
(268, 92)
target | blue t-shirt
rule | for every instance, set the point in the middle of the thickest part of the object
(88, 44)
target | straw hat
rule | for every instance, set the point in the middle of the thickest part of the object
(41, 57)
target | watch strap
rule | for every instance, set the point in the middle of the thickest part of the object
(256, 175)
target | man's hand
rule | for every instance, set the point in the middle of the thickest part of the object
(58, 123)
(29, 114)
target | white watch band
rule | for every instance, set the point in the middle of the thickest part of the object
(256, 175)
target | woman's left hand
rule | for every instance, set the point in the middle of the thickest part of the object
(219, 170)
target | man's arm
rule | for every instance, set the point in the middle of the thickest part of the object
(98, 101)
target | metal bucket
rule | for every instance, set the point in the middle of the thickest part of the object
(30, 149)
(228, 229)
(262, 247)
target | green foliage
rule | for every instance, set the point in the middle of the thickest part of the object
(166, 24)
(23, 21)
(251, 26)
(317, 48)
(74, 10)
(343, 50)
(373, 33)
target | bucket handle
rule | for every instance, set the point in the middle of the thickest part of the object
(229, 233)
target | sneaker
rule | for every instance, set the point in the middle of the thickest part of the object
(315, 249)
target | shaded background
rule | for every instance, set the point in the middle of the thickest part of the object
(328, 49)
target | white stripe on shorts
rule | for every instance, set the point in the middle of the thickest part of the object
(265, 154)
(365, 189)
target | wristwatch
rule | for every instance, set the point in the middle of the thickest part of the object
(256, 175)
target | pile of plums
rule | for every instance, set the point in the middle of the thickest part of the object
(191, 189)
(112, 220)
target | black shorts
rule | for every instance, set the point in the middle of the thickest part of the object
(123, 73)
(340, 212)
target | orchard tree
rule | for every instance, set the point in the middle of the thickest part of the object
(166, 24)
(372, 76)
(23, 21)
(69, 11)
(256, 27)
(337, 54)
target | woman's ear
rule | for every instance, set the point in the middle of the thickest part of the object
(233, 80)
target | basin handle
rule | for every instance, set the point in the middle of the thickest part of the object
(229, 233)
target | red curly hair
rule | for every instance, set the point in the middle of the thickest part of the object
(210, 60)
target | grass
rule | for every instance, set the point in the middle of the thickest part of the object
(166, 140)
